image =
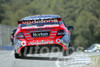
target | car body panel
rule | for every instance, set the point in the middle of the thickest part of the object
(41, 35)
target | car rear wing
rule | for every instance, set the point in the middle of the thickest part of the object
(38, 21)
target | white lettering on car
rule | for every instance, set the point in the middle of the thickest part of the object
(53, 31)
(41, 42)
(40, 34)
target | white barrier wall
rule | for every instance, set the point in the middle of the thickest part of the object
(5, 32)
(0, 36)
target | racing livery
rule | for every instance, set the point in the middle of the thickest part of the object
(42, 31)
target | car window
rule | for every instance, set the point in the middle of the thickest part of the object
(40, 24)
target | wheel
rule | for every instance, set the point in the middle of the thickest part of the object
(69, 50)
(65, 52)
(17, 55)
(21, 55)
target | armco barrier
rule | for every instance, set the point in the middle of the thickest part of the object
(4, 47)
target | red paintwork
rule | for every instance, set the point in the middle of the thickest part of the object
(49, 38)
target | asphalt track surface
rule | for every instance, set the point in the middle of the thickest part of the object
(77, 59)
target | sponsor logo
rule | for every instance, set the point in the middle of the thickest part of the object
(39, 29)
(48, 28)
(31, 29)
(53, 31)
(52, 34)
(41, 42)
(40, 21)
(26, 33)
(40, 34)
(52, 37)
(23, 43)
(58, 41)
(27, 36)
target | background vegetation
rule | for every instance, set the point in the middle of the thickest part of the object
(95, 61)
(84, 15)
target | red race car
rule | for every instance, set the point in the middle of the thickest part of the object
(42, 33)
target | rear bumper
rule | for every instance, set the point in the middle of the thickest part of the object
(20, 44)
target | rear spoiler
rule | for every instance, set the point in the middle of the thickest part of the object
(37, 21)
(24, 21)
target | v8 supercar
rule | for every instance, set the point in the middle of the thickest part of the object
(42, 31)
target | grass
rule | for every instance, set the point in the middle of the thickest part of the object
(95, 61)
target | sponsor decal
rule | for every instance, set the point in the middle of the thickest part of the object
(32, 29)
(27, 36)
(42, 34)
(52, 25)
(40, 21)
(48, 28)
(52, 37)
(41, 42)
(39, 29)
(23, 43)
(58, 41)
(52, 34)
(53, 31)
(26, 33)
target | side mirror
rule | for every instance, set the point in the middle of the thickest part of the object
(70, 28)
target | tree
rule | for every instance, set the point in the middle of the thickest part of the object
(84, 15)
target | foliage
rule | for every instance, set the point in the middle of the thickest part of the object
(84, 15)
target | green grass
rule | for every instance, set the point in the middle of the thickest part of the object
(95, 61)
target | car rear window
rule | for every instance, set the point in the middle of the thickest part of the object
(39, 24)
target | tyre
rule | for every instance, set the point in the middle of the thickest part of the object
(65, 53)
(21, 55)
(17, 55)
(69, 50)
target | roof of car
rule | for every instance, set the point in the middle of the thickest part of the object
(37, 17)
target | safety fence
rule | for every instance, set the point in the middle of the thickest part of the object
(5, 33)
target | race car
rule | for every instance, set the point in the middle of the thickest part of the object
(93, 48)
(40, 33)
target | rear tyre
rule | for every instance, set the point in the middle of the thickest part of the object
(21, 55)
(69, 50)
(65, 53)
(17, 55)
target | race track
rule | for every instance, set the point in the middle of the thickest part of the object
(77, 59)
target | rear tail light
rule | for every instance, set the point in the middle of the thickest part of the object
(61, 33)
(20, 35)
